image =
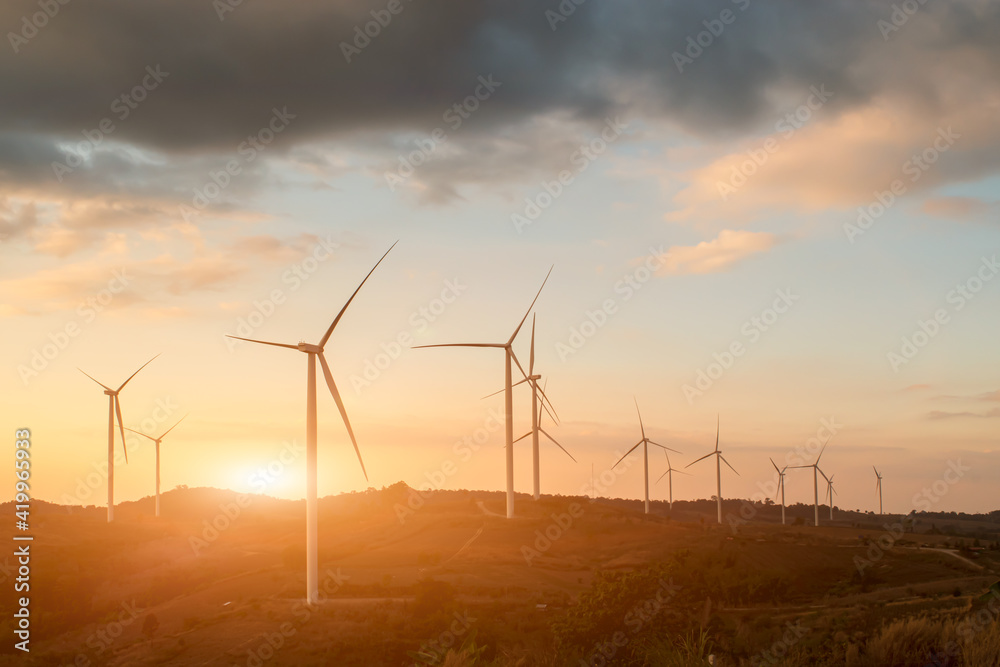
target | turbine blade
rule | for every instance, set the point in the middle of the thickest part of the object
(626, 454)
(264, 342)
(664, 448)
(518, 363)
(136, 373)
(641, 427)
(531, 362)
(727, 463)
(343, 412)
(820, 454)
(820, 470)
(502, 390)
(100, 383)
(140, 433)
(545, 399)
(336, 320)
(701, 459)
(518, 329)
(118, 411)
(546, 409)
(681, 472)
(717, 422)
(523, 437)
(557, 444)
(173, 427)
(662, 476)
(774, 464)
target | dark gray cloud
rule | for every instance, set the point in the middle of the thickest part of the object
(226, 76)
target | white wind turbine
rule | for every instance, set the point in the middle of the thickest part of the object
(830, 491)
(781, 488)
(718, 468)
(508, 391)
(645, 442)
(669, 474)
(157, 441)
(878, 488)
(815, 467)
(114, 409)
(536, 416)
(312, 514)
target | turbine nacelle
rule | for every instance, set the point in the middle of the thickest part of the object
(309, 348)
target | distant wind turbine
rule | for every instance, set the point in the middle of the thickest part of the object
(157, 441)
(115, 409)
(830, 491)
(536, 416)
(781, 488)
(312, 514)
(878, 488)
(508, 391)
(815, 467)
(669, 474)
(645, 442)
(718, 468)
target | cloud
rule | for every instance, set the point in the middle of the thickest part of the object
(955, 207)
(940, 414)
(154, 283)
(225, 76)
(717, 255)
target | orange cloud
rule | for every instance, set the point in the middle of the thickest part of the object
(717, 255)
(954, 207)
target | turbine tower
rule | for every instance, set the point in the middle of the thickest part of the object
(815, 467)
(536, 421)
(829, 491)
(781, 488)
(718, 468)
(314, 352)
(114, 409)
(157, 441)
(536, 416)
(645, 442)
(878, 488)
(509, 357)
(669, 474)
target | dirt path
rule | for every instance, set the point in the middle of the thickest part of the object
(951, 552)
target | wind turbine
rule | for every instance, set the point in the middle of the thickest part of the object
(829, 491)
(536, 416)
(781, 488)
(508, 391)
(815, 467)
(645, 442)
(157, 441)
(114, 409)
(718, 468)
(878, 488)
(669, 474)
(312, 514)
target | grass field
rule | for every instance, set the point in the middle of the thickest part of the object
(220, 579)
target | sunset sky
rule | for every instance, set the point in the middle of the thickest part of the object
(604, 142)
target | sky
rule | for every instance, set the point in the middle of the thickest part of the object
(780, 217)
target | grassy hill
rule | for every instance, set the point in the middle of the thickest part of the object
(220, 579)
